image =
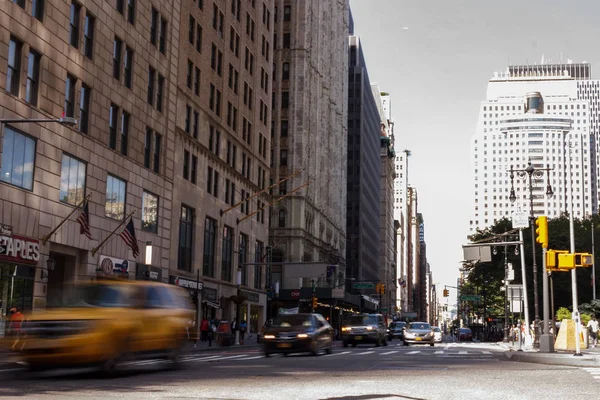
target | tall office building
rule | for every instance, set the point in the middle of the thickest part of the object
(546, 115)
(309, 131)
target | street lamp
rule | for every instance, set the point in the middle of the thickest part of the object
(532, 172)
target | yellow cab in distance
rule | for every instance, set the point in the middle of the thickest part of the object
(104, 323)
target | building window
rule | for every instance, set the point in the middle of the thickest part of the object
(227, 254)
(124, 132)
(186, 239)
(72, 180)
(287, 13)
(69, 106)
(13, 71)
(258, 258)
(113, 119)
(285, 100)
(285, 71)
(131, 11)
(151, 78)
(33, 76)
(159, 92)
(194, 172)
(282, 217)
(148, 148)
(242, 258)
(188, 117)
(284, 127)
(186, 165)
(37, 9)
(190, 69)
(18, 159)
(208, 259)
(197, 82)
(115, 198)
(120, 6)
(283, 158)
(149, 212)
(198, 38)
(191, 30)
(157, 143)
(286, 40)
(20, 3)
(74, 25)
(117, 49)
(128, 67)
(88, 35)
(195, 124)
(162, 46)
(84, 108)
(154, 26)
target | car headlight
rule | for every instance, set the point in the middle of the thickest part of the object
(302, 335)
(269, 336)
(369, 328)
(409, 334)
(346, 329)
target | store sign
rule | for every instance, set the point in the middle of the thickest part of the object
(19, 249)
(111, 265)
(295, 294)
(251, 296)
(186, 283)
(209, 294)
(5, 230)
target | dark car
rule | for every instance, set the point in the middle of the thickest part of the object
(298, 333)
(418, 333)
(364, 328)
(396, 330)
(465, 334)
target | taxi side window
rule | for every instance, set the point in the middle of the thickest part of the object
(153, 298)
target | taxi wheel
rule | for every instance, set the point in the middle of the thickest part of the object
(329, 349)
(385, 342)
(345, 344)
(314, 348)
(175, 354)
(111, 366)
(267, 355)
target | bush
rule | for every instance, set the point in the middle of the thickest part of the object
(563, 313)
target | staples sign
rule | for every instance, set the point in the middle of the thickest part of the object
(19, 249)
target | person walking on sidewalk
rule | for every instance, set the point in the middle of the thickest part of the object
(243, 327)
(204, 330)
(593, 330)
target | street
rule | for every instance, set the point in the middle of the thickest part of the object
(446, 371)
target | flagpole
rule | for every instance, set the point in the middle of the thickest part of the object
(47, 236)
(95, 249)
(273, 202)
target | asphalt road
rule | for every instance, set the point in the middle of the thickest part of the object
(446, 371)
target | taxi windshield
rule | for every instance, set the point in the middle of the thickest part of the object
(97, 296)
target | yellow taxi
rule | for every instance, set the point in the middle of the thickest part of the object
(103, 323)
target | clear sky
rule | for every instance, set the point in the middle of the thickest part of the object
(435, 58)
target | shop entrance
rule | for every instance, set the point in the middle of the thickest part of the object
(16, 290)
(63, 275)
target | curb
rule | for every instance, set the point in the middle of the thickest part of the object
(570, 360)
(216, 347)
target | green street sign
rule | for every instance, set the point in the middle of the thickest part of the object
(383, 309)
(363, 285)
(470, 298)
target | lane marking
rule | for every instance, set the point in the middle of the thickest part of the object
(251, 358)
(337, 354)
(414, 352)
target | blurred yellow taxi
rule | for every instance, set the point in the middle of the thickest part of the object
(103, 323)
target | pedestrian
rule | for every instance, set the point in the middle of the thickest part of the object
(204, 330)
(243, 327)
(593, 330)
(15, 322)
(211, 332)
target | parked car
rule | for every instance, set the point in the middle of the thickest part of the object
(396, 330)
(465, 334)
(419, 333)
(437, 335)
(102, 323)
(298, 333)
(364, 328)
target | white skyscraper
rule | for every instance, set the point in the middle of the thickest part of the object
(544, 114)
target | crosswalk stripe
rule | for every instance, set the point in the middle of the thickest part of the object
(251, 358)
(463, 352)
(439, 352)
(200, 358)
(366, 352)
(486, 352)
(337, 354)
(413, 352)
(389, 352)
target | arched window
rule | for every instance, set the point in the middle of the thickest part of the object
(282, 217)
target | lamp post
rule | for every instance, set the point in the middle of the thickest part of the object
(532, 172)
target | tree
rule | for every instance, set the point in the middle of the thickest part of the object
(563, 313)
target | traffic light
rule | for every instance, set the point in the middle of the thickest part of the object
(446, 293)
(542, 231)
(566, 261)
(382, 288)
(314, 302)
(583, 259)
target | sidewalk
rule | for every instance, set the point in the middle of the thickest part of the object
(249, 343)
(590, 357)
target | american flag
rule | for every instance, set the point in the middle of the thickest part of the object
(84, 221)
(128, 236)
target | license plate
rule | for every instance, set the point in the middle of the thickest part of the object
(418, 338)
(357, 337)
(284, 345)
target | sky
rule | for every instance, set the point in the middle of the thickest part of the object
(435, 58)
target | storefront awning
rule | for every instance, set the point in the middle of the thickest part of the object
(211, 304)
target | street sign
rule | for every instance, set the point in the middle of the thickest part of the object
(470, 298)
(363, 285)
(2, 250)
(520, 219)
